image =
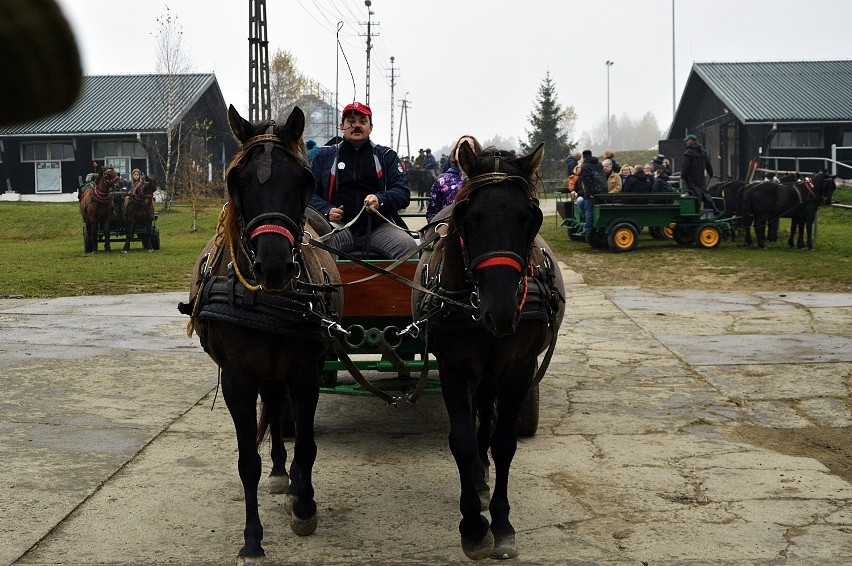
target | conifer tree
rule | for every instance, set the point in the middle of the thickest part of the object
(553, 126)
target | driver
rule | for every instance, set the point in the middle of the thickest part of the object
(358, 173)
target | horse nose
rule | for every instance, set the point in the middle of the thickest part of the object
(274, 277)
(501, 326)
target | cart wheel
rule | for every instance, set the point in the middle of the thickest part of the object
(623, 237)
(658, 233)
(528, 418)
(668, 231)
(683, 236)
(155, 238)
(597, 239)
(87, 247)
(708, 236)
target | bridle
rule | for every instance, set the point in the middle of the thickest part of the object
(267, 222)
(499, 257)
(494, 257)
(103, 197)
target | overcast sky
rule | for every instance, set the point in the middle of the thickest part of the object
(474, 66)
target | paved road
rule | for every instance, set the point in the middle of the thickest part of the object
(112, 454)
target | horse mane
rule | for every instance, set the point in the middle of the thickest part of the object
(295, 147)
(493, 160)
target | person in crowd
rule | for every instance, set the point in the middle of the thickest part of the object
(692, 173)
(661, 181)
(430, 162)
(625, 173)
(638, 182)
(572, 161)
(609, 154)
(360, 174)
(312, 149)
(660, 161)
(420, 160)
(613, 180)
(448, 184)
(592, 181)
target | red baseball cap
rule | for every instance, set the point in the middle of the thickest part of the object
(357, 107)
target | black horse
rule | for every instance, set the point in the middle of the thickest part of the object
(798, 201)
(260, 302)
(420, 182)
(491, 259)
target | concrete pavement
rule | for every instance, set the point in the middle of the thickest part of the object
(112, 455)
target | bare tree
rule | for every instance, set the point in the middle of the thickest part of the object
(286, 84)
(172, 60)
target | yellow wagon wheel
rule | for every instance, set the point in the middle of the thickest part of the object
(623, 237)
(708, 236)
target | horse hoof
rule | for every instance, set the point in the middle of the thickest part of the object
(481, 549)
(303, 527)
(504, 547)
(250, 561)
(279, 484)
(124, 251)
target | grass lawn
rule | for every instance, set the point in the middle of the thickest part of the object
(41, 255)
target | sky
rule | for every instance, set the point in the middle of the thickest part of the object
(473, 66)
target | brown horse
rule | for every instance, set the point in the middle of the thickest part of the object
(261, 302)
(491, 260)
(138, 210)
(96, 208)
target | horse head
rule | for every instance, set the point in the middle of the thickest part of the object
(826, 187)
(497, 218)
(108, 178)
(269, 186)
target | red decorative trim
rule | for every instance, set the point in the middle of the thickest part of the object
(273, 229)
(499, 260)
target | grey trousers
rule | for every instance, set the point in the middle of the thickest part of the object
(386, 241)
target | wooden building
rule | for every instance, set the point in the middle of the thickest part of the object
(783, 116)
(119, 121)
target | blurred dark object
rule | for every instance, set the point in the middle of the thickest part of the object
(40, 64)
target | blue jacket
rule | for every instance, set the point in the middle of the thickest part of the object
(393, 193)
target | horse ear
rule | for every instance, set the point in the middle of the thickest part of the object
(295, 125)
(467, 158)
(241, 128)
(532, 162)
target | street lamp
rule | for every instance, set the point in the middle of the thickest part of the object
(608, 65)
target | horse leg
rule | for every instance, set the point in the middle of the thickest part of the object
(106, 236)
(476, 538)
(241, 400)
(130, 228)
(503, 446)
(773, 226)
(274, 397)
(485, 402)
(809, 226)
(760, 231)
(304, 396)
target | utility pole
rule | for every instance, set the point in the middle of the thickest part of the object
(393, 78)
(404, 113)
(608, 65)
(259, 103)
(370, 36)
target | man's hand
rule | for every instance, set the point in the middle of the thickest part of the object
(371, 202)
(335, 214)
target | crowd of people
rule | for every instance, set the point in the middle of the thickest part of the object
(588, 176)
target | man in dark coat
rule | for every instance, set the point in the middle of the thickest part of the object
(592, 181)
(695, 164)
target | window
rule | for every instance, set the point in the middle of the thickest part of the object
(101, 149)
(43, 151)
(847, 138)
(804, 138)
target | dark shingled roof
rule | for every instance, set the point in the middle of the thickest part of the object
(800, 91)
(120, 104)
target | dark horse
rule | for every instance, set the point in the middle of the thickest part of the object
(491, 259)
(798, 201)
(96, 208)
(420, 182)
(138, 210)
(261, 301)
